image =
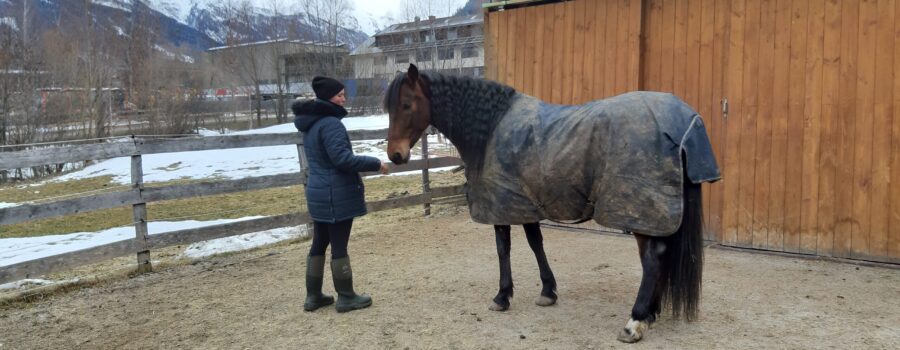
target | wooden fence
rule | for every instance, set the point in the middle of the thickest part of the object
(138, 196)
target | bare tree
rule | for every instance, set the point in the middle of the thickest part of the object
(279, 28)
(330, 17)
(243, 59)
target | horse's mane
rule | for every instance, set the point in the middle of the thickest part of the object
(464, 109)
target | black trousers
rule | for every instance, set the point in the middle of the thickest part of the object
(336, 234)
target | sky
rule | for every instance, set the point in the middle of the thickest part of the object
(381, 10)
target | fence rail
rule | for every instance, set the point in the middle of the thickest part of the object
(140, 195)
(139, 146)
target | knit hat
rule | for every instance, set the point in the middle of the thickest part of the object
(326, 88)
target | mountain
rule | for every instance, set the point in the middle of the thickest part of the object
(211, 18)
(193, 25)
(472, 7)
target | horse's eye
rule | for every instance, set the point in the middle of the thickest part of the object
(407, 106)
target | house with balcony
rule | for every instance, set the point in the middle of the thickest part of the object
(450, 44)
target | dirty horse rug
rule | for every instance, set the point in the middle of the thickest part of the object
(617, 161)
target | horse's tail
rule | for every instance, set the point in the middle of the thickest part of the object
(683, 262)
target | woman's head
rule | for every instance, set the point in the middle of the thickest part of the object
(329, 89)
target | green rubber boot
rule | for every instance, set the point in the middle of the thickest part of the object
(347, 299)
(315, 270)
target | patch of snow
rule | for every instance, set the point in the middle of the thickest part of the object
(175, 9)
(163, 50)
(235, 163)
(9, 22)
(120, 31)
(16, 250)
(7, 205)
(218, 37)
(243, 242)
(116, 4)
(31, 282)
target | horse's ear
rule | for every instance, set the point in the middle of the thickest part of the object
(412, 74)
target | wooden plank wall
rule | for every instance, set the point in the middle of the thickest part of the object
(682, 52)
(568, 52)
(810, 146)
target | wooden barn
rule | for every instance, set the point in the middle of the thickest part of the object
(801, 99)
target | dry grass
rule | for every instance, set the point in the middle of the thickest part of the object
(273, 201)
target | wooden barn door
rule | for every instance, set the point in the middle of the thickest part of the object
(683, 52)
(810, 144)
(568, 52)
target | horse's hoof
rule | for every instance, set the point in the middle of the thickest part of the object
(498, 307)
(633, 331)
(544, 301)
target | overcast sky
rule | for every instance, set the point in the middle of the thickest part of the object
(380, 10)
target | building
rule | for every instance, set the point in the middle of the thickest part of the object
(289, 63)
(449, 44)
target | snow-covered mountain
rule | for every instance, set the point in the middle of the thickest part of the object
(198, 24)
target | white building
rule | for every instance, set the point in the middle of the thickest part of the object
(449, 44)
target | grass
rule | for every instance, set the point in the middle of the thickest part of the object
(267, 202)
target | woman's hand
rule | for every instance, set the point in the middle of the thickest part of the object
(384, 168)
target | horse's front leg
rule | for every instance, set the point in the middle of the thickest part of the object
(536, 242)
(653, 285)
(501, 301)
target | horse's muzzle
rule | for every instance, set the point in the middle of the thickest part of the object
(398, 159)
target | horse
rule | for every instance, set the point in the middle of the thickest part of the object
(634, 162)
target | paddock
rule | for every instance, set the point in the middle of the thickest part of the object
(432, 279)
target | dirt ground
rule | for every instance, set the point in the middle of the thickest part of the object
(432, 280)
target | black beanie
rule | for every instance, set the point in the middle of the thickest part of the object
(326, 88)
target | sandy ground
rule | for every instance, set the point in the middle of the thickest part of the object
(432, 280)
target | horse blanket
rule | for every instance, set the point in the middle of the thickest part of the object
(617, 161)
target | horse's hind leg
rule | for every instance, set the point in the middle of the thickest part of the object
(536, 241)
(501, 301)
(653, 284)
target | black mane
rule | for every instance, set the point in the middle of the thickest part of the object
(464, 109)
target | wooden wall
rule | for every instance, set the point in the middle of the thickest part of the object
(683, 53)
(569, 52)
(810, 144)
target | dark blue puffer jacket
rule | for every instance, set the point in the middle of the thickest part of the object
(334, 191)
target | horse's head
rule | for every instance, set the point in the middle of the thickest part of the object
(409, 110)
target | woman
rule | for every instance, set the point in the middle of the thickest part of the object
(334, 193)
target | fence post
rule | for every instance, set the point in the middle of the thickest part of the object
(304, 173)
(426, 183)
(140, 216)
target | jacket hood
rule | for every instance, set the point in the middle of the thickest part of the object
(307, 113)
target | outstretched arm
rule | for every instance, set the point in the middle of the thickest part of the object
(339, 150)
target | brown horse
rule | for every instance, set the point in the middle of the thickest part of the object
(634, 162)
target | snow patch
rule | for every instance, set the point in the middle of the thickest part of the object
(243, 242)
(16, 250)
(235, 163)
(116, 4)
(9, 22)
(218, 37)
(31, 282)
